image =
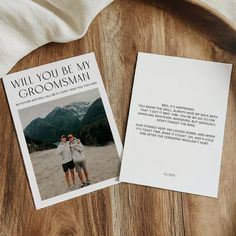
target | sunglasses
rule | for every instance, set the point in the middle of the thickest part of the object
(70, 137)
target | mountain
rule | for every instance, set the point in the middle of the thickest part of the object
(61, 120)
(79, 109)
(48, 130)
(87, 121)
(95, 112)
(95, 129)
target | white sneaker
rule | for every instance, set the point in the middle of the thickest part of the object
(77, 186)
(72, 187)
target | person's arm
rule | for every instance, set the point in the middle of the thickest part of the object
(60, 149)
(76, 146)
(73, 145)
(80, 147)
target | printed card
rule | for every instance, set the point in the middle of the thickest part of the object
(176, 124)
(66, 130)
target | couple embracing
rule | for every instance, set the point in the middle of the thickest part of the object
(72, 157)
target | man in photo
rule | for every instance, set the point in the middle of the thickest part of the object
(77, 152)
(63, 150)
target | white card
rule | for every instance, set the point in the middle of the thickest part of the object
(63, 98)
(176, 124)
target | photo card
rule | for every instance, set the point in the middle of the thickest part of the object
(67, 133)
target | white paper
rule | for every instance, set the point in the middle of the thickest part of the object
(42, 94)
(176, 124)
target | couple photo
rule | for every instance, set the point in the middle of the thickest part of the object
(71, 153)
(70, 143)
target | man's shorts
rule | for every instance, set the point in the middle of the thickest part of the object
(68, 165)
(80, 165)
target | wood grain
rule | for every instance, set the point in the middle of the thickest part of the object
(116, 35)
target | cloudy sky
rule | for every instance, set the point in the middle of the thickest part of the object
(41, 110)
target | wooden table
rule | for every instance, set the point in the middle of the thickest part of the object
(116, 35)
